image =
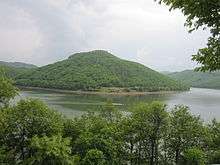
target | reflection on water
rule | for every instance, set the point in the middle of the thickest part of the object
(204, 102)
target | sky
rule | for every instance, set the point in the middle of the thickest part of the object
(45, 31)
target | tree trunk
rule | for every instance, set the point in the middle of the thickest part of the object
(22, 145)
(131, 152)
(152, 152)
(156, 152)
(177, 156)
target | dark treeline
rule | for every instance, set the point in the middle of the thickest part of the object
(31, 133)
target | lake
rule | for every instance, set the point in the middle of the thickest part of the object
(203, 102)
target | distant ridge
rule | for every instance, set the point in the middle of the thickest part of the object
(18, 64)
(97, 70)
(198, 79)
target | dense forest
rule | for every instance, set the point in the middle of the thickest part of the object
(13, 72)
(32, 133)
(95, 70)
(198, 79)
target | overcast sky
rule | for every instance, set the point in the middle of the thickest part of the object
(44, 31)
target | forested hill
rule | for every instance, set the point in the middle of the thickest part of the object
(14, 69)
(95, 70)
(198, 79)
(17, 64)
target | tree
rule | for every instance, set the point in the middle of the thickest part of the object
(214, 143)
(194, 156)
(7, 90)
(20, 123)
(150, 121)
(128, 134)
(94, 157)
(6, 158)
(185, 131)
(93, 132)
(50, 150)
(206, 14)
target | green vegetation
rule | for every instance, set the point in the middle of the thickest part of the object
(15, 69)
(96, 70)
(198, 79)
(31, 133)
(205, 14)
(12, 72)
(7, 90)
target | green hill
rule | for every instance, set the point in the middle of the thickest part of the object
(14, 69)
(198, 79)
(96, 70)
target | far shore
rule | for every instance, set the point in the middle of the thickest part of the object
(131, 93)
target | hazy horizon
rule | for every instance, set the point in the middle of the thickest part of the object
(45, 31)
(87, 51)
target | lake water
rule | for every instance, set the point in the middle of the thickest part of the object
(203, 102)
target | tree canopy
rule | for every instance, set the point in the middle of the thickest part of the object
(32, 133)
(7, 90)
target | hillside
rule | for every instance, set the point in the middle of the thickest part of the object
(17, 65)
(14, 69)
(198, 79)
(95, 70)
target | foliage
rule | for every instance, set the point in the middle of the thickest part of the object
(94, 157)
(20, 123)
(198, 79)
(96, 133)
(209, 57)
(145, 131)
(215, 157)
(194, 156)
(12, 71)
(206, 14)
(185, 132)
(32, 133)
(215, 131)
(7, 90)
(214, 143)
(50, 150)
(95, 70)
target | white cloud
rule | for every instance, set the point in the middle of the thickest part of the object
(20, 36)
(44, 31)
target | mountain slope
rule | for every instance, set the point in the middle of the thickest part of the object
(17, 65)
(14, 69)
(97, 69)
(198, 79)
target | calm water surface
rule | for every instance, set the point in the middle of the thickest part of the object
(203, 102)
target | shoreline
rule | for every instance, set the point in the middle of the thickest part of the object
(132, 93)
